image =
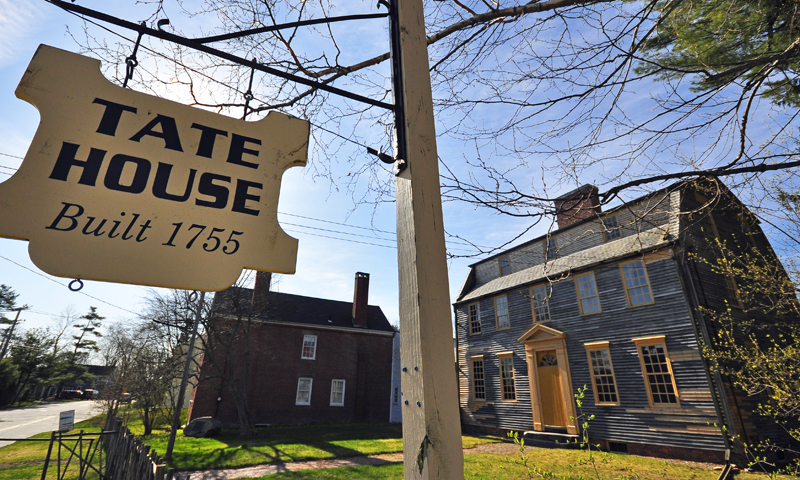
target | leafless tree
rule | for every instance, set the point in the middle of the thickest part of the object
(225, 341)
(146, 366)
(531, 97)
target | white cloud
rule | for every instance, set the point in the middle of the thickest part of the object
(17, 21)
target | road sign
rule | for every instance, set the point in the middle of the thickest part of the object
(126, 187)
(66, 421)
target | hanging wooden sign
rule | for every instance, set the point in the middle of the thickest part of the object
(125, 187)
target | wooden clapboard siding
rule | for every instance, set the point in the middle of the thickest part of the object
(618, 324)
(651, 212)
(678, 268)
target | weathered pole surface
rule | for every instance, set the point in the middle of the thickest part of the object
(431, 425)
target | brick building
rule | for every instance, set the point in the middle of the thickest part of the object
(312, 360)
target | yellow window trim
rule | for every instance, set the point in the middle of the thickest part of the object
(500, 264)
(578, 293)
(472, 371)
(595, 347)
(469, 320)
(497, 317)
(646, 277)
(657, 340)
(502, 355)
(533, 299)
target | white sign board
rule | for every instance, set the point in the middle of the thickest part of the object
(66, 421)
(125, 187)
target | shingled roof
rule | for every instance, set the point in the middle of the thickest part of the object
(286, 307)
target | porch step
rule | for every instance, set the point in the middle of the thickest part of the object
(550, 439)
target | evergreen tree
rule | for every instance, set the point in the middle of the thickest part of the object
(753, 43)
(88, 332)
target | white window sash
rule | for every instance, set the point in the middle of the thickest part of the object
(312, 344)
(333, 392)
(306, 394)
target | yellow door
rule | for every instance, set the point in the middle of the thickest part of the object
(553, 408)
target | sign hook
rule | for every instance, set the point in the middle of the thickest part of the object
(78, 287)
(131, 61)
(248, 95)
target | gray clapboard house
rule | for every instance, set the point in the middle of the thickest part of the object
(608, 300)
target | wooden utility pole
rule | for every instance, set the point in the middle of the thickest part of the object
(431, 424)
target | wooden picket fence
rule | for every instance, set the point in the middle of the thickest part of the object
(126, 458)
(129, 459)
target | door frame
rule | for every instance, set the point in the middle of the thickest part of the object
(535, 340)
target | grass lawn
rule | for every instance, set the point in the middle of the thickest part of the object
(287, 444)
(24, 460)
(228, 450)
(565, 464)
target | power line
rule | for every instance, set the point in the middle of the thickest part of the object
(371, 229)
(339, 232)
(12, 156)
(337, 223)
(56, 281)
(341, 239)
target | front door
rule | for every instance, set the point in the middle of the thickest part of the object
(553, 412)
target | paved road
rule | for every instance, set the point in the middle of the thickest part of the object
(25, 422)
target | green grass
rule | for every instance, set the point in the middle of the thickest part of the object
(24, 460)
(287, 444)
(565, 464)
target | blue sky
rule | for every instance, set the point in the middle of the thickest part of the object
(338, 235)
(329, 253)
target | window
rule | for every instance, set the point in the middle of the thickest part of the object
(501, 312)
(474, 319)
(303, 391)
(505, 265)
(396, 396)
(730, 283)
(637, 287)
(605, 387)
(657, 371)
(749, 230)
(507, 376)
(540, 304)
(611, 229)
(478, 379)
(309, 347)
(337, 393)
(588, 299)
(550, 249)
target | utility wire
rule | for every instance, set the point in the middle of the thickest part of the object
(12, 156)
(337, 223)
(339, 232)
(342, 239)
(335, 231)
(56, 281)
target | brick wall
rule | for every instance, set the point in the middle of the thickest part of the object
(363, 360)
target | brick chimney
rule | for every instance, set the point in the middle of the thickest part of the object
(261, 292)
(360, 298)
(577, 205)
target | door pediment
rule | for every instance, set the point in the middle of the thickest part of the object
(541, 332)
